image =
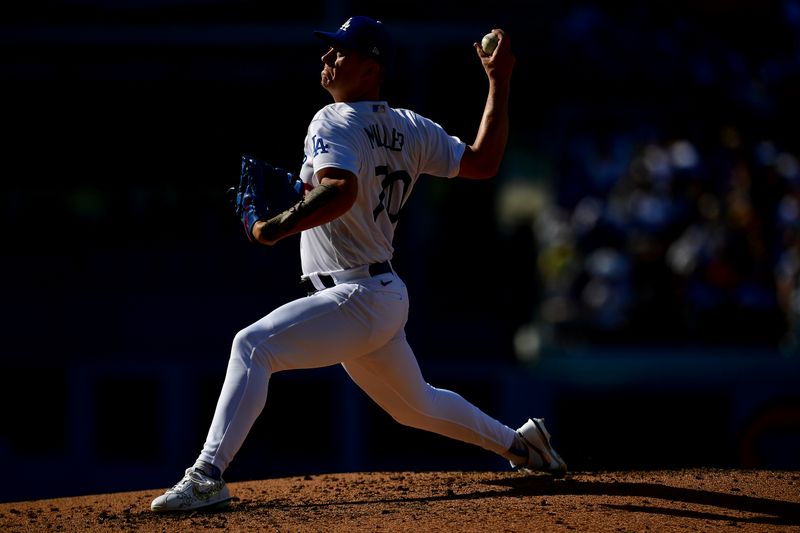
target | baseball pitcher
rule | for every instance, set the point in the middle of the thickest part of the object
(362, 160)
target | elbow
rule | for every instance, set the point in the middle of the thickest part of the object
(479, 166)
(488, 172)
(482, 172)
(264, 234)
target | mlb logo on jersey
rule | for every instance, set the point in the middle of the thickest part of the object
(378, 108)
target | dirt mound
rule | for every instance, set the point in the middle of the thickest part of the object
(703, 499)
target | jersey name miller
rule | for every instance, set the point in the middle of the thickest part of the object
(379, 137)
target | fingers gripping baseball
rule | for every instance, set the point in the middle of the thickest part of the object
(489, 43)
(494, 52)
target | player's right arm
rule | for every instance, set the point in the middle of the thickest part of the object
(482, 158)
(333, 197)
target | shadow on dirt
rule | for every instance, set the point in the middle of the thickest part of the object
(781, 512)
(777, 512)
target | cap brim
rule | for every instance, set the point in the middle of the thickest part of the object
(329, 38)
(337, 40)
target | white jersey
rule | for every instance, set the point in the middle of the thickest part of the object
(387, 149)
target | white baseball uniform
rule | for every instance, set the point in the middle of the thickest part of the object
(356, 319)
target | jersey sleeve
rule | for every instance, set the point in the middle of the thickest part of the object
(442, 152)
(331, 145)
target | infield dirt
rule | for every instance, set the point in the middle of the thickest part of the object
(684, 500)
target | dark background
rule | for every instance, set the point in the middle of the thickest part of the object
(630, 274)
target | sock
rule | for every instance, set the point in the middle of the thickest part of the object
(518, 452)
(208, 469)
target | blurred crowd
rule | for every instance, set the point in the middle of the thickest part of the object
(681, 246)
(682, 227)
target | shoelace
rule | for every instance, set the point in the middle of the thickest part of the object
(193, 477)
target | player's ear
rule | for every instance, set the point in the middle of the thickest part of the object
(374, 71)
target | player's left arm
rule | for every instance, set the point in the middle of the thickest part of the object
(482, 158)
(333, 197)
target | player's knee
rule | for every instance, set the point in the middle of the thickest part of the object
(244, 343)
(413, 413)
(402, 418)
(250, 350)
(413, 419)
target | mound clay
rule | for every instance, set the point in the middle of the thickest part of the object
(686, 500)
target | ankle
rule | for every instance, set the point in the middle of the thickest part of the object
(208, 469)
(518, 453)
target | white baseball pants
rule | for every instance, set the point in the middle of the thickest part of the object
(359, 324)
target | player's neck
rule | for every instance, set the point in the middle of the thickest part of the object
(371, 95)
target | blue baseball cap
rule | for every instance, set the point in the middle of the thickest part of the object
(362, 34)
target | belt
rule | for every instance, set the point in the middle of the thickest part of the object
(375, 269)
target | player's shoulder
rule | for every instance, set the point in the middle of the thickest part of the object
(344, 114)
(331, 119)
(348, 116)
(418, 121)
(331, 112)
(407, 114)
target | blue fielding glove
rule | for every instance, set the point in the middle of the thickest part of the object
(264, 192)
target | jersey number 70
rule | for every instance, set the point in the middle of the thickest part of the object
(395, 188)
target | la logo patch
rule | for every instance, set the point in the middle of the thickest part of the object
(320, 147)
(346, 25)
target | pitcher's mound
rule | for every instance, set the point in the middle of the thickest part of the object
(483, 502)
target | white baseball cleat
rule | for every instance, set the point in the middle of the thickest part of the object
(541, 455)
(195, 491)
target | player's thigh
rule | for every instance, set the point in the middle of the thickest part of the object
(331, 326)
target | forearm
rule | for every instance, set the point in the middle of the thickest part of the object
(323, 203)
(481, 159)
(492, 137)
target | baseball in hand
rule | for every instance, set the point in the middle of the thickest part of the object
(489, 43)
